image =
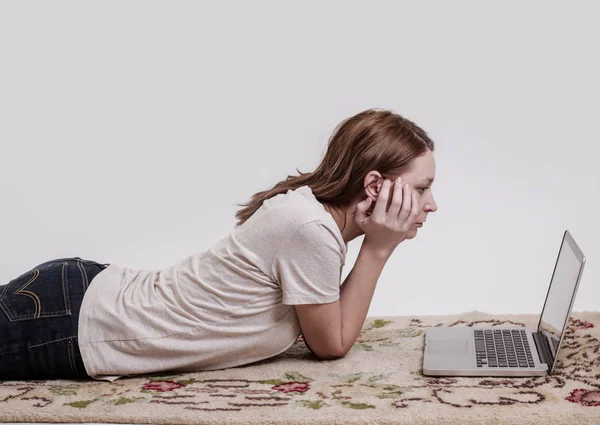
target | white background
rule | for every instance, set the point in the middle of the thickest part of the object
(129, 131)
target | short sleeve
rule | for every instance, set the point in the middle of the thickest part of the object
(308, 266)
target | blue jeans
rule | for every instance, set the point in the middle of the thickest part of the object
(38, 320)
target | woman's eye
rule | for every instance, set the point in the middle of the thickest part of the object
(422, 190)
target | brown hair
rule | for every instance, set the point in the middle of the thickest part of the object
(375, 139)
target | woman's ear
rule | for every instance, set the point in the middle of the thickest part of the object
(372, 183)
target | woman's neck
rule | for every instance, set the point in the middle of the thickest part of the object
(340, 217)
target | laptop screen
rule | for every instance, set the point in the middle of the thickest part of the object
(561, 294)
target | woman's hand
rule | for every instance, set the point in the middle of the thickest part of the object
(383, 229)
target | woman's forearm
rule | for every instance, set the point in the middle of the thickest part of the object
(357, 291)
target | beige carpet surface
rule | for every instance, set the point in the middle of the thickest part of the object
(378, 382)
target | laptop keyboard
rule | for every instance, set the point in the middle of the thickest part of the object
(502, 348)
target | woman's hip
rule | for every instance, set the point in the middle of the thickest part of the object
(38, 319)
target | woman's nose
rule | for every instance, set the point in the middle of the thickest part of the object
(431, 206)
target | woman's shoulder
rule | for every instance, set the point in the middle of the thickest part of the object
(293, 208)
(296, 213)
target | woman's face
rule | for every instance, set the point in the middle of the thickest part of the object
(420, 177)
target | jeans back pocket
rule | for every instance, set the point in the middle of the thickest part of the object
(38, 293)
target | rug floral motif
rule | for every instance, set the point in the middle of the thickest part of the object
(379, 381)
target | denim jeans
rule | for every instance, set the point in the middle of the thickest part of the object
(38, 320)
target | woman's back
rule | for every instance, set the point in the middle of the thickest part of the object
(220, 308)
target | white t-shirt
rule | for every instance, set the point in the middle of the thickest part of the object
(227, 306)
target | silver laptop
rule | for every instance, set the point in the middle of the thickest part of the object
(511, 351)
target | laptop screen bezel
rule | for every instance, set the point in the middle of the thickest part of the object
(567, 238)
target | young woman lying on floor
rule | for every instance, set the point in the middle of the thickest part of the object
(250, 295)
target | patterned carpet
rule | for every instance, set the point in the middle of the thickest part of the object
(379, 381)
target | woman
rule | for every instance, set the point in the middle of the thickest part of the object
(249, 296)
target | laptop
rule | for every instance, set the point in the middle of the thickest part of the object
(511, 351)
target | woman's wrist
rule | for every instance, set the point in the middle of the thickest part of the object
(378, 251)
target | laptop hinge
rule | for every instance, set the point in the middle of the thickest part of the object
(543, 349)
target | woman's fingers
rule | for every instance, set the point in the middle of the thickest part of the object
(396, 204)
(361, 209)
(415, 208)
(406, 204)
(382, 200)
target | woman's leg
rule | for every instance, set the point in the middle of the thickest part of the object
(39, 311)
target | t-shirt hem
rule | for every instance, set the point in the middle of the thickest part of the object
(326, 300)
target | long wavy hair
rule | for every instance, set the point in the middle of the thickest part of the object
(375, 139)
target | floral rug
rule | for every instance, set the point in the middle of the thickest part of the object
(378, 382)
